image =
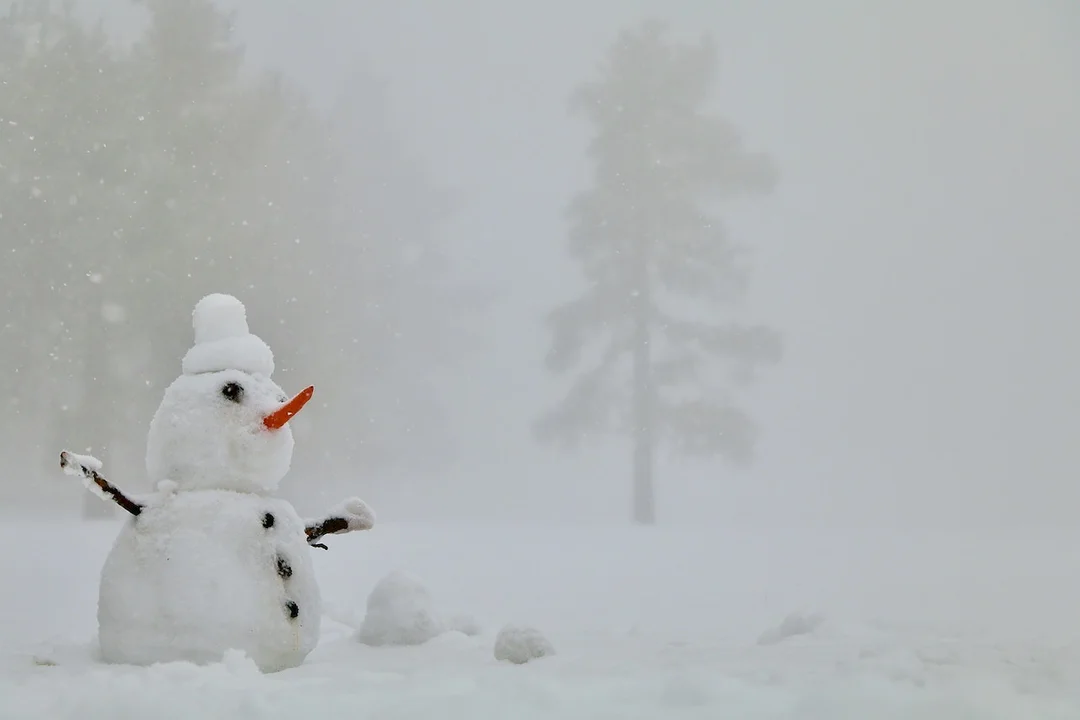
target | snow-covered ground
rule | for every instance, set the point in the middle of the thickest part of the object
(659, 623)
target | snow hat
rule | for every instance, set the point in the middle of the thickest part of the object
(223, 341)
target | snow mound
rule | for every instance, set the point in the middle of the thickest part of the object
(464, 624)
(519, 644)
(400, 611)
(794, 624)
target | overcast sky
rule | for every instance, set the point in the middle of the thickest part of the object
(919, 254)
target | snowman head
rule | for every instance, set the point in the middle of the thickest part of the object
(223, 424)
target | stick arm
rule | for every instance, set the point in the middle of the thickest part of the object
(351, 515)
(87, 468)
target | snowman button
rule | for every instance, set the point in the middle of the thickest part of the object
(268, 521)
(283, 568)
(293, 609)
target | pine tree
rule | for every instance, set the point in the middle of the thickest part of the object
(663, 275)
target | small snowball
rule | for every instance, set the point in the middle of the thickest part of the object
(519, 645)
(400, 611)
(223, 341)
(219, 316)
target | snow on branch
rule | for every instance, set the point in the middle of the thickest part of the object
(87, 467)
(350, 516)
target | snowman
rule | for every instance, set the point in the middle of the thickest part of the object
(213, 561)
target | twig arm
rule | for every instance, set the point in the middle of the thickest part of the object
(350, 516)
(87, 467)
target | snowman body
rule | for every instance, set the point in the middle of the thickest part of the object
(214, 561)
(200, 572)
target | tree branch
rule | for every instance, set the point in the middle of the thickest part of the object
(587, 405)
(747, 344)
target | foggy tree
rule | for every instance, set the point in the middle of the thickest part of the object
(133, 183)
(407, 321)
(224, 159)
(330, 206)
(58, 150)
(230, 165)
(137, 178)
(653, 338)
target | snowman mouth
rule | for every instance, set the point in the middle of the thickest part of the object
(277, 419)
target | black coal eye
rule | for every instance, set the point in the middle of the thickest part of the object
(233, 391)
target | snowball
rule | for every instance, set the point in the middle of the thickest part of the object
(217, 317)
(223, 341)
(400, 611)
(518, 644)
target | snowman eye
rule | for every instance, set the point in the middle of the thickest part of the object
(232, 391)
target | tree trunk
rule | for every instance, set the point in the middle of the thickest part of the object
(644, 437)
(644, 503)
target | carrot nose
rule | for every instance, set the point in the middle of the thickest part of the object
(283, 414)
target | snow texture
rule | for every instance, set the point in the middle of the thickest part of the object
(200, 573)
(223, 341)
(518, 644)
(167, 487)
(76, 460)
(650, 623)
(400, 611)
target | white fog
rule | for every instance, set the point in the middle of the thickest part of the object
(882, 521)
